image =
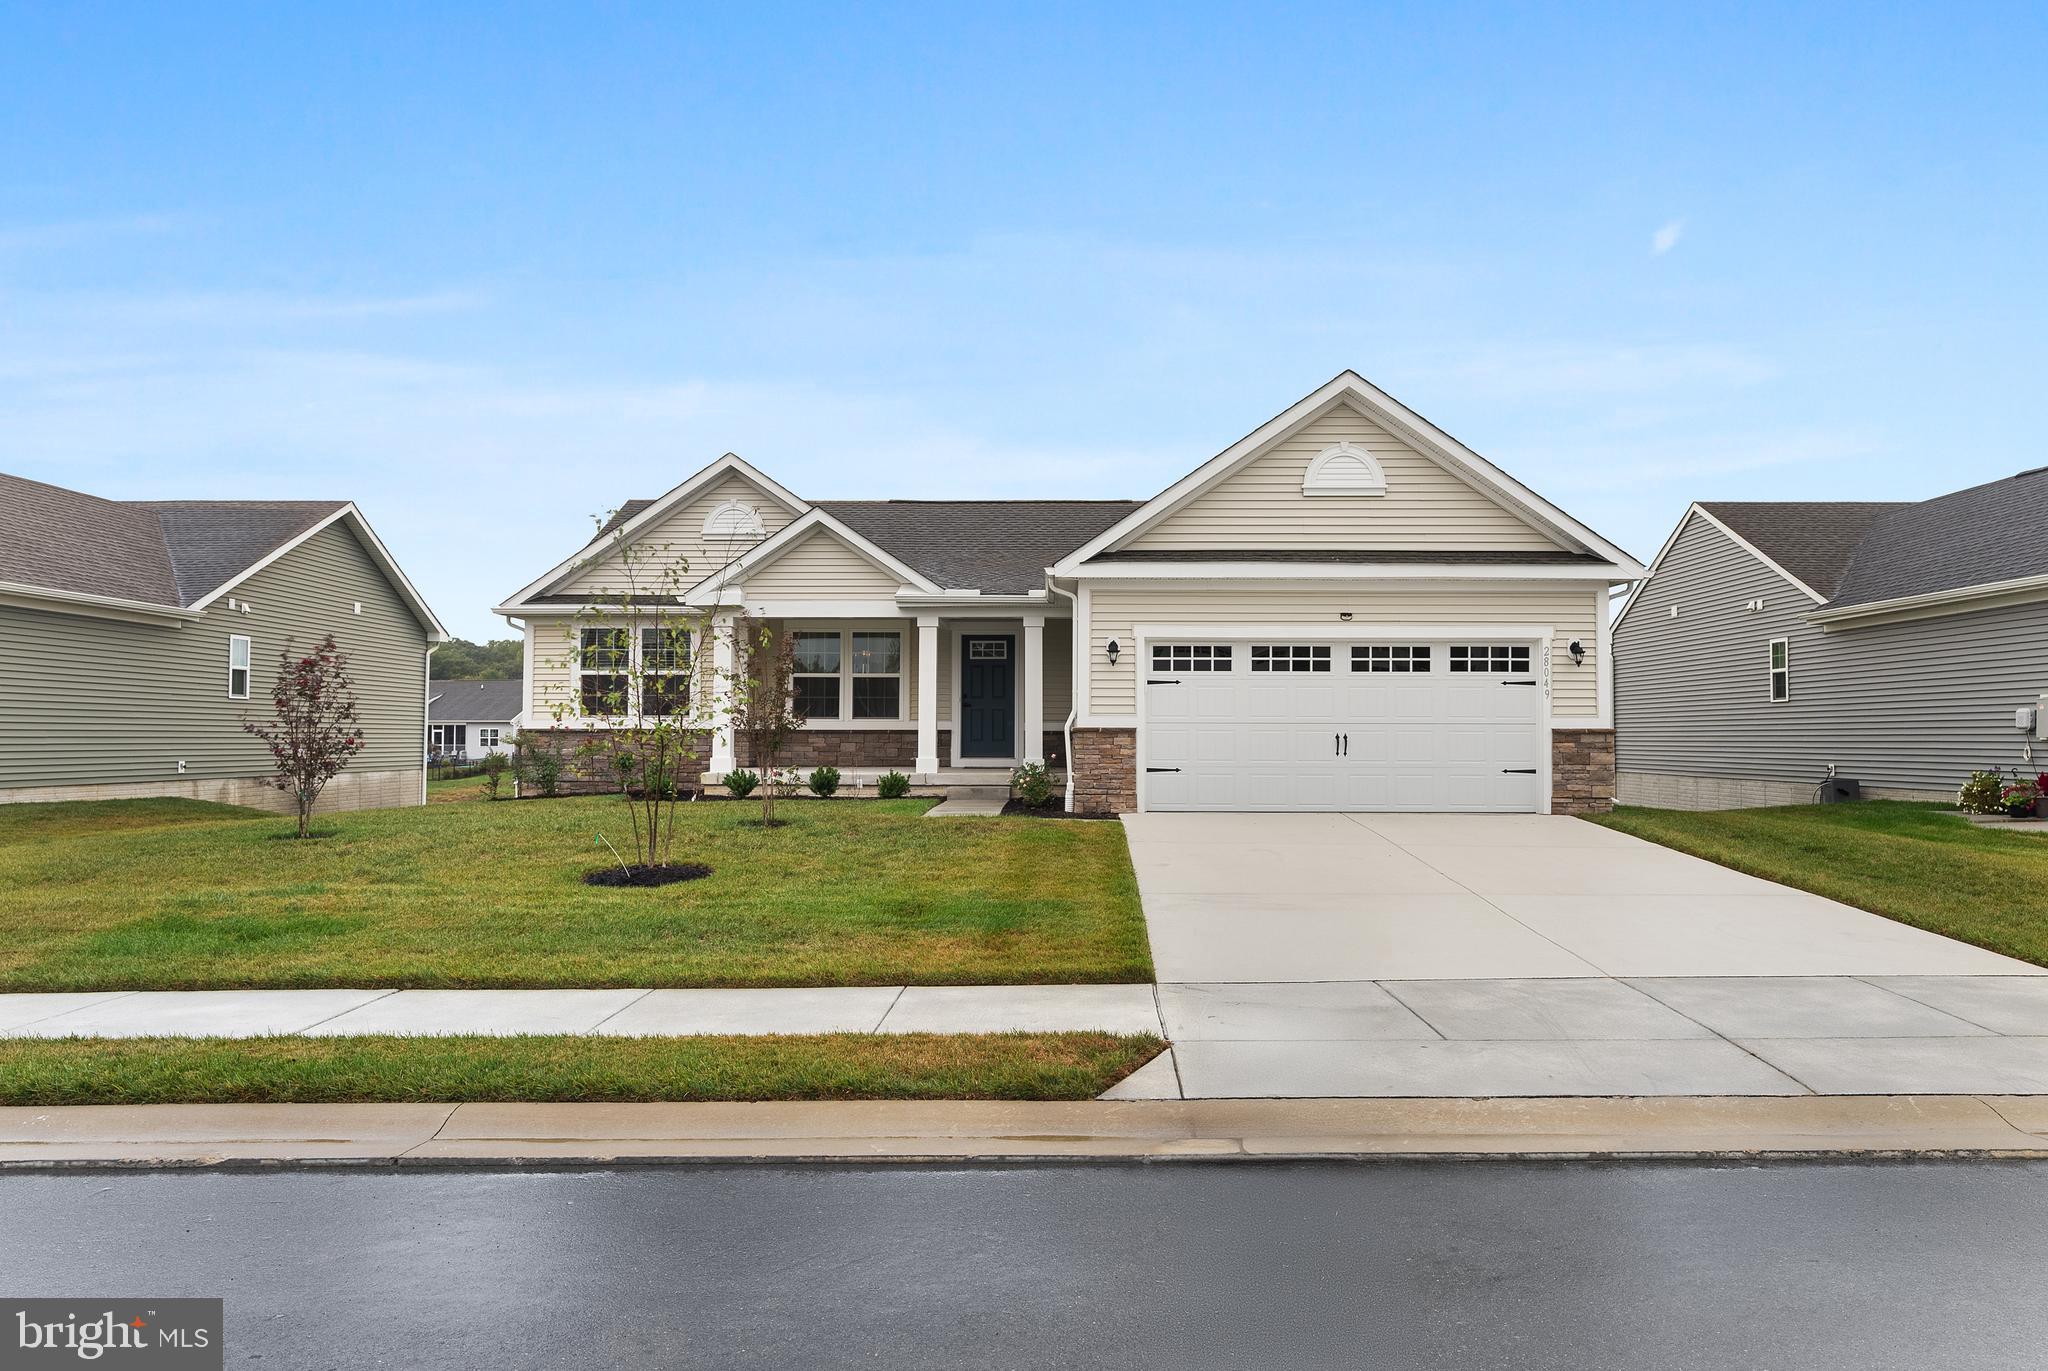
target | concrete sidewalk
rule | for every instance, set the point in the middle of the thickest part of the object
(1241, 1130)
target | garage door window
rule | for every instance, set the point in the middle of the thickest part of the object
(1489, 657)
(1191, 657)
(1389, 657)
(1290, 657)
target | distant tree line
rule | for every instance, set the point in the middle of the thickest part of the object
(458, 659)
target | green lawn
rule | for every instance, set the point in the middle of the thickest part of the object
(1918, 863)
(987, 1066)
(172, 894)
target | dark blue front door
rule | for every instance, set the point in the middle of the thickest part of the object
(988, 681)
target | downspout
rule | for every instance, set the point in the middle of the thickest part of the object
(426, 712)
(525, 691)
(1078, 658)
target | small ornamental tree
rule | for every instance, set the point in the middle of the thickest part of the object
(635, 671)
(760, 701)
(314, 729)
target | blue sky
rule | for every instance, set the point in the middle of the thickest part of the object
(490, 271)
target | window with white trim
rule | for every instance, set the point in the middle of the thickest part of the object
(814, 684)
(1191, 656)
(238, 667)
(664, 670)
(1501, 657)
(1781, 670)
(486, 737)
(1290, 657)
(877, 666)
(603, 659)
(1390, 657)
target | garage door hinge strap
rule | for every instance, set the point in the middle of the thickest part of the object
(1162, 768)
(1518, 771)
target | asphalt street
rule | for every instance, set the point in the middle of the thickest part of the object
(1464, 1266)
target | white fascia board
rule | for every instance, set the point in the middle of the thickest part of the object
(970, 599)
(813, 520)
(1433, 442)
(25, 596)
(1753, 550)
(1935, 602)
(1310, 572)
(380, 554)
(691, 485)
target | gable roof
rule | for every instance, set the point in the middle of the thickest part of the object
(172, 555)
(1425, 437)
(812, 521)
(999, 547)
(1810, 540)
(483, 701)
(1984, 535)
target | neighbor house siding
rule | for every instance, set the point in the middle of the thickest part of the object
(1261, 504)
(820, 567)
(1572, 609)
(677, 541)
(1908, 706)
(89, 701)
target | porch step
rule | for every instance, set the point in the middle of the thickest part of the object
(984, 800)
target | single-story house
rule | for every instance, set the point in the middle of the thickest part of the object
(136, 637)
(1777, 645)
(468, 719)
(1345, 609)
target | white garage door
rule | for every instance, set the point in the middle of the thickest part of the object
(1278, 724)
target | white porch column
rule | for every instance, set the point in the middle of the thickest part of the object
(720, 696)
(927, 696)
(1031, 747)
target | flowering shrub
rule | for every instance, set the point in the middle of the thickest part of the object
(1034, 784)
(2020, 798)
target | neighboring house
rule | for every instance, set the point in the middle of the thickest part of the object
(136, 636)
(1346, 609)
(473, 718)
(1894, 643)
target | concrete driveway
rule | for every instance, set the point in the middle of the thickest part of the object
(1426, 954)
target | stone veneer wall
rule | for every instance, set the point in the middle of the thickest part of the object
(349, 790)
(1105, 770)
(848, 748)
(1581, 770)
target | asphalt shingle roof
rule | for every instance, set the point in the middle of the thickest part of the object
(1812, 539)
(165, 552)
(1972, 537)
(486, 702)
(999, 547)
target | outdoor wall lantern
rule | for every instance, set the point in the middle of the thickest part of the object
(1112, 648)
(1578, 651)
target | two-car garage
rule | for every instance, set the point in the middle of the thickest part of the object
(1286, 722)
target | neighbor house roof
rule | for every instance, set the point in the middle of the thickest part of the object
(1980, 536)
(1813, 540)
(474, 701)
(171, 554)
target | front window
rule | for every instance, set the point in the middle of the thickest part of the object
(664, 671)
(603, 656)
(238, 667)
(1781, 670)
(877, 675)
(815, 680)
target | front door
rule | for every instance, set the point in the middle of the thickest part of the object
(988, 692)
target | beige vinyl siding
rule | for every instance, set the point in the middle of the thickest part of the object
(820, 567)
(1570, 608)
(89, 701)
(1260, 505)
(1059, 671)
(678, 539)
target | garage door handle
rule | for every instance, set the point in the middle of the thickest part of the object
(1518, 771)
(1162, 768)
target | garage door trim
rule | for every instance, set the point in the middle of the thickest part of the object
(1539, 637)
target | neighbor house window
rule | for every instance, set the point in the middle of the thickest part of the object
(487, 737)
(815, 679)
(1781, 669)
(603, 657)
(238, 667)
(877, 660)
(665, 670)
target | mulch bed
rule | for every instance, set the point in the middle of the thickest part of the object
(646, 875)
(1014, 808)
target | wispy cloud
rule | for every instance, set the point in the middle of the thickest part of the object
(1666, 238)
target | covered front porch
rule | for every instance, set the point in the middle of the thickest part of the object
(946, 699)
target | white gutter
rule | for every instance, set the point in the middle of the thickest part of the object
(1078, 658)
(1933, 601)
